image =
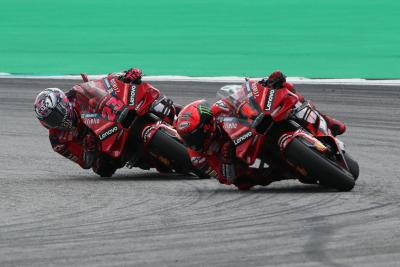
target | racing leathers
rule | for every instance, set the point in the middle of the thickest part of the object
(79, 143)
(217, 158)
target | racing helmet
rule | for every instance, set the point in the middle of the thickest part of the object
(53, 109)
(195, 123)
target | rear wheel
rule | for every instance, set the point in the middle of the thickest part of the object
(175, 152)
(327, 172)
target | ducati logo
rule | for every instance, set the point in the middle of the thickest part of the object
(256, 93)
(114, 85)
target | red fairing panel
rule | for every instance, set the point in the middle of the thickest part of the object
(142, 96)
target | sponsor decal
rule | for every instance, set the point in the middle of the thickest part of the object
(132, 96)
(90, 115)
(108, 86)
(248, 91)
(242, 138)
(205, 110)
(91, 121)
(183, 125)
(229, 119)
(186, 115)
(230, 125)
(256, 93)
(108, 132)
(146, 133)
(106, 83)
(270, 100)
(222, 105)
(114, 85)
(139, 105)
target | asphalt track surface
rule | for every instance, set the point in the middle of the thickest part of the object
(52, 213)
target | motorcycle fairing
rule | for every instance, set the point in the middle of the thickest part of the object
(245, 139)
(144, 96)
(311, 119)
(111, 134)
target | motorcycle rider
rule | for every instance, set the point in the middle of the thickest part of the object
(212, 151)
(71, 138)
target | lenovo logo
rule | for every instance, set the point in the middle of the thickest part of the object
(242, 138)
(132, 94)
(107, 133)
(270, 99)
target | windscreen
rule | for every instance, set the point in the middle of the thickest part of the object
(241, 99)
(93, 89)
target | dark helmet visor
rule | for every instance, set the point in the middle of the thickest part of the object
(57, 116)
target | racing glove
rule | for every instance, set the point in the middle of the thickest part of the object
(276, 80)
(133, 75)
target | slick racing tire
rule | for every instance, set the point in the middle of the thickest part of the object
(327, 172)
(353, 165)
(164, 145)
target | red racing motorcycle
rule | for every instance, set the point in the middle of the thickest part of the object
(273, 126)
(143, 138)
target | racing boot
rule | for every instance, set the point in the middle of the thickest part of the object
(337, 127)
(261, 177)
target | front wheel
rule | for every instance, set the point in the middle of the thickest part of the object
(353, 165)
(318, 167)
